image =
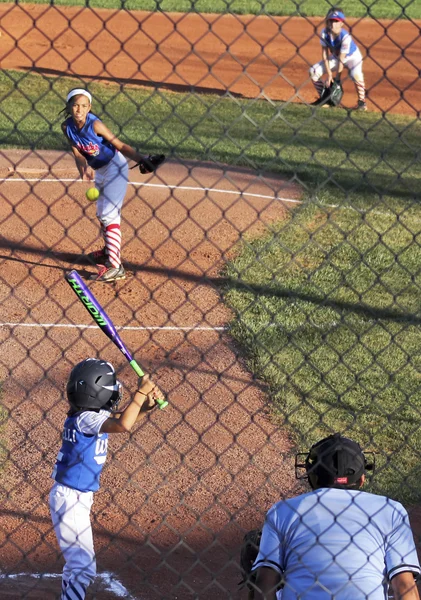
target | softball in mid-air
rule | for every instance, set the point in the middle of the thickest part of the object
(92, 194)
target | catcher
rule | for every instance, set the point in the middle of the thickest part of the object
(100, 155)
(338, 51)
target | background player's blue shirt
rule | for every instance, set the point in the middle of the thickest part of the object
(343, 43)
(334, 543)
(97, 151)
(83, 451)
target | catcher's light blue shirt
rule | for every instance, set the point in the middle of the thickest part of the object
(336, 543)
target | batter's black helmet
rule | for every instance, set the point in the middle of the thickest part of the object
(336, 461)
(93, 385)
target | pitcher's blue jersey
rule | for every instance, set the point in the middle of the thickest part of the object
(83, 451)
(337, 543)
(97, 151)
(343, 43)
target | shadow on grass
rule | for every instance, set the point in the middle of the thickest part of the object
(74, 260)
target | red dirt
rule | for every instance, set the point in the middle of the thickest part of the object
(194, 476)
(247, 56)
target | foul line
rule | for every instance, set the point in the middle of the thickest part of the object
(162, 186)
(122, 327)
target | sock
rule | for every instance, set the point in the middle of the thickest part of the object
(112, 237)
(359, 85)
(73, 590)
(320, 86)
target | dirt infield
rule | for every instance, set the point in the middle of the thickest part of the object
(194, 476)
(245, 56)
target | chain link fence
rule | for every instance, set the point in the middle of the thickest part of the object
(272, 274)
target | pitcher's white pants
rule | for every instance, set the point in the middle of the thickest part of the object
(111, 182)
(71, 516)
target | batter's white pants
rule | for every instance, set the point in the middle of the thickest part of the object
(353, 63)
(111, 182)
(71, 516)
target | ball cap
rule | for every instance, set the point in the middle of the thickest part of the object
(335, 461)
(336, 15)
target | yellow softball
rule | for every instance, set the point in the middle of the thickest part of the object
(92, 194)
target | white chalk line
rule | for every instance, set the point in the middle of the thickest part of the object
(122, 327)
(205, 189)
(161, 186)
(109, 581)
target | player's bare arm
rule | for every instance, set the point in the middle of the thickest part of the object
(85, 171)
(125, 149)
(267, 582)
(341, 61)
(325, 58)
(404, 586)
(143, 401)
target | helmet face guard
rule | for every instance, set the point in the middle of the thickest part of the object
(116, 396)
(335, 461)
(93, 385)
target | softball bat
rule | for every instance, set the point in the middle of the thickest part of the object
(104, 322)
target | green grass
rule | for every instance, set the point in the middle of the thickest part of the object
(326, 305)
(380, 9)
(362, 159)
(328, 314)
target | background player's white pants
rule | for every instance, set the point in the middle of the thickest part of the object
(353, 63)
(70, 513)
(111, 181)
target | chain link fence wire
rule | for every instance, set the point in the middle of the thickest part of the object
(272, 265)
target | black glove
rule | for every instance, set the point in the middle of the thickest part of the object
(336, 93)
(337, 78)
(150, 163)
(249, 551)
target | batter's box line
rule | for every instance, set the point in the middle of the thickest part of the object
(109, 582)
(122, 327)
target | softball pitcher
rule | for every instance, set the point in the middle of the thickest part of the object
(94, 393)
(96, 148)
(338, 51)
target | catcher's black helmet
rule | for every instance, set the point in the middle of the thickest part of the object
(335, 461)
(93, 385)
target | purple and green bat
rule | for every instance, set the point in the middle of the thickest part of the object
(104, 322)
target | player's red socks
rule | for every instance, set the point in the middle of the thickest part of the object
(112, 237)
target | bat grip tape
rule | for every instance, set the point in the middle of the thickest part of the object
(160, 401)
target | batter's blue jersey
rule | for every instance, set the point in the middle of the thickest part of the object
(97, 151)
(336, 543)
(83, 451)
(343, 43)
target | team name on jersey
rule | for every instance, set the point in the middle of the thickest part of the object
(69, 435)
(91, 148)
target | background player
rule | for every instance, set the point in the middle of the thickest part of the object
(95, 148)
(93, 392)
(338, 51)
(336, 541)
